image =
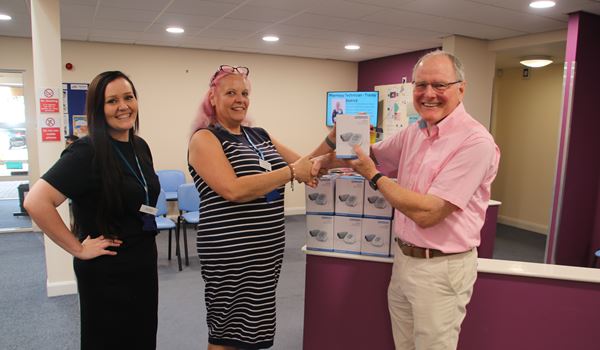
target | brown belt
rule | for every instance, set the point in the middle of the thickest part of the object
(422, 253)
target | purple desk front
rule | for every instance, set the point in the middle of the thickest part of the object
(346, 297)
(345, 304)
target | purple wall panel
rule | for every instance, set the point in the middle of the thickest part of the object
(387, 70)
(513, 312)
(578, 216)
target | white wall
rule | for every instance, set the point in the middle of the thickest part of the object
(287, 99)
(478, 64)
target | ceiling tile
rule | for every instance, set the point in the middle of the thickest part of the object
(201, 8)
(261, 14)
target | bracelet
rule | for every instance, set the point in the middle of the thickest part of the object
(329, 143)
(293, 176)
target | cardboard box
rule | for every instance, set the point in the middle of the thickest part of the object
(375, 238)
(321, 199)
(348, 232)
(319, 232)
(375, 205)
(351, 130)
(349, 193)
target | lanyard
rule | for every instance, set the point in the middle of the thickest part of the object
(142, 181)
(260, 154)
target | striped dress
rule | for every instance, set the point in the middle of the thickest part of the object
(241, 247)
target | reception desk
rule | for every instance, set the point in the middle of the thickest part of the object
(515, 305)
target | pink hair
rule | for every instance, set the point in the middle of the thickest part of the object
(207, 114)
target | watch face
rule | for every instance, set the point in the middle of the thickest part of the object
(373, 185)
(373, 181)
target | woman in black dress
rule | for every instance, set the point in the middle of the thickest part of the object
(110, 178)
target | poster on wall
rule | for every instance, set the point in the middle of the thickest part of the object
(75, 120)
(80, 126)
(398, 110)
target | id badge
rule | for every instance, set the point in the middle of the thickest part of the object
(146, 209)
(148, 223)
(264, 164)
(273, 196)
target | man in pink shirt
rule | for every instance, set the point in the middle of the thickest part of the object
(444, 165)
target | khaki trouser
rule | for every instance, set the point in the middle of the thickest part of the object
(427, 299)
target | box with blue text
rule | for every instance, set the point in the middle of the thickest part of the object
(319, 232)
(349, 193)
(351, 130)
(347, 235)
(321, 199)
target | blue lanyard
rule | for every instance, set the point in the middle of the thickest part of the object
(142, 181)
(260, 154)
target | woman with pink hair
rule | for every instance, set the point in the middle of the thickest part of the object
(240, 172)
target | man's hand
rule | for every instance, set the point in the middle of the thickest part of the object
(363, 165)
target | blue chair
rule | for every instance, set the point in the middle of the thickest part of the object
(596, 256)
(170, 181)
(162, 222)
(189, 213)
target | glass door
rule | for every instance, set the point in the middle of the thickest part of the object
(14, 164)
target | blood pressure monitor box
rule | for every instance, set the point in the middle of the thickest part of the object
(375, 205)
(351, 130)
(349, 193)
(347, 234)
(319, 232)
(321, 199)
(375, 238)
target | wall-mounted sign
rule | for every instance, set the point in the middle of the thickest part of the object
(49, 118)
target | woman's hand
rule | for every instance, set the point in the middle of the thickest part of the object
(94, 247)
(303, 171)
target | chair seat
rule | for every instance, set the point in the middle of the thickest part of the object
(163, 223)
(171, 196)
(191, 217)
(597, 253)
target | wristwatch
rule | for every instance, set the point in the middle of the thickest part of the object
(373, 181)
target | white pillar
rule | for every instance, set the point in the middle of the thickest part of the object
(479, 64)
(47, 65)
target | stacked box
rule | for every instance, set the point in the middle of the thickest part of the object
(349, 194)
(375, 205)
(375, 238)
(351, 130)
(347, 235)
(321, 199)
(319, 232)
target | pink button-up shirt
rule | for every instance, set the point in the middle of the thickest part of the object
(455, 160)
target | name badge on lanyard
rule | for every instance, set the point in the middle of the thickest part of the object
(264, 164)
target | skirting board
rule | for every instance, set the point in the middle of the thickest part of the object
(55, 289)
(522, 224)
(294, 211)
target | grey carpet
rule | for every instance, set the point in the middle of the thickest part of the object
(7, 219)
(29, 320)
(520, 245)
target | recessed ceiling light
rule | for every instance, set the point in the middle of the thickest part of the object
(175, 30)
(542, 4)
(352, 47)
(536, 61)
(270, 38)
(4, 17)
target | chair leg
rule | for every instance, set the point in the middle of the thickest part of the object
(187, 260)
(170, 232)
(177, 251)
